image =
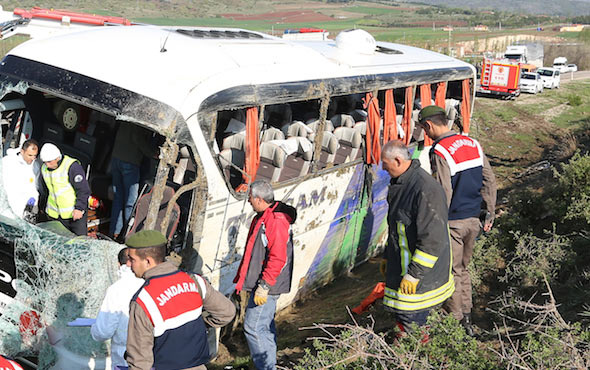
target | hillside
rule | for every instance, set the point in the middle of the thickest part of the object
(548, 7)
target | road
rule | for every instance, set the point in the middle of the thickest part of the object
(569, 76)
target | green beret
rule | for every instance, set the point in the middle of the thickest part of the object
(429, 111)
(146, 239)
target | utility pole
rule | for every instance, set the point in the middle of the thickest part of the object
(449, 40)
(433, 28)
(500, 25)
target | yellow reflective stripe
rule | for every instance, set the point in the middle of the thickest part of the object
(409, 306)
(424, 258)
(405, 253)
(396, 294)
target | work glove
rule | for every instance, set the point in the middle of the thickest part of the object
(383, 267)
(261, 294)
(408, 284)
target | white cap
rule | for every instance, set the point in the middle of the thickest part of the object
(49, 152)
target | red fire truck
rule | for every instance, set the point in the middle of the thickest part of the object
(499, 77)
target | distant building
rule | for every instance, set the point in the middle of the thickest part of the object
(447, 28)
(572, 28)
(481, 27)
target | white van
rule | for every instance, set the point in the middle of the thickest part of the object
(560, 63)
(550, 77)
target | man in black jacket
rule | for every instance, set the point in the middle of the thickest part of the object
(418, 251)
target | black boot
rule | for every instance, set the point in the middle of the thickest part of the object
(468, 324)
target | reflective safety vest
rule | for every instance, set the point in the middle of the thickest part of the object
(174, 305)
(62, 195)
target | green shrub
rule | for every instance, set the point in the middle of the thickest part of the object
(574, 100)
(534, 257)
(487, 258)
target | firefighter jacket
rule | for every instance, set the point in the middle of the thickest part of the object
(269, 251)
(166, 323)
(460, 166)
(67, 188)
(419, 242)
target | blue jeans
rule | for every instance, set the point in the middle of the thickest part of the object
(125, 189)
(260, 332)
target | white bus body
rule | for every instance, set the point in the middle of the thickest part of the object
(178, 83)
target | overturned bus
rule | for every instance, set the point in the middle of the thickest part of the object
(225, 107)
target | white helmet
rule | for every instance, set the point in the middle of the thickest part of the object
(49, 152)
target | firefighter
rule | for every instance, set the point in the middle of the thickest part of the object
(67, 189)
(418, 252)
(460, 166)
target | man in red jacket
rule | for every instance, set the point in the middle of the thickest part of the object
(265, 271)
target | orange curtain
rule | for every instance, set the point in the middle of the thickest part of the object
(426, 100)
(441, 94)
(466, 106)
(390, 119)
(407, 120)
(252, 160)
(373, 123)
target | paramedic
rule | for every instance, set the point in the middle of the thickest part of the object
(20, 172)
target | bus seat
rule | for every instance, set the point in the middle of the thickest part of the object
(330, 146)
(298, 159)
(296, 129)
(358, 115)
(350, 141)
(272, 133)
(53, 133)
(415, 128)
(141, 212)
(343, 120)
(361, 127)
(85, 143)
(314, 123)
(183, 165)
(451, 110)
(234, 141)
(232, 161)
(272, 159)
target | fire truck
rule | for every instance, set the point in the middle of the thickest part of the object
(500, 77)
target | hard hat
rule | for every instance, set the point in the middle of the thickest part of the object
(49, 152)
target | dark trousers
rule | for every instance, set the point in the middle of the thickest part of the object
(78, 227)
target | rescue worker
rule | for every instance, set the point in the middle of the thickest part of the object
(460, 166)
(20, 172)
(67, 189)
(8, 364)
(265, 271)
(418, 252)
(167, 316)
(113, 317)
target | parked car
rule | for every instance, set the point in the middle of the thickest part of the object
(550, 77)
(531, 83)
(572, 68)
